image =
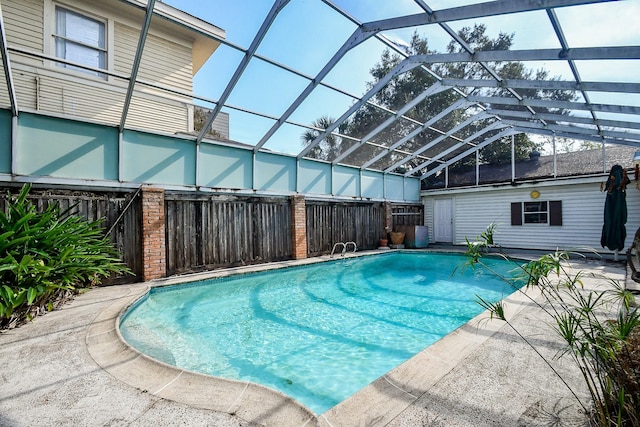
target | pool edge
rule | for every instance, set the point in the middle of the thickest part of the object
(383, 399)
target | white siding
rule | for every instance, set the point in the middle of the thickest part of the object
(582, 216)
(167, 61)
(163, 62)
(23, 20)
(221, 125)
(100, 102)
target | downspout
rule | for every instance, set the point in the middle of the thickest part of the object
(555, 160)
(513, 158)
(37, 93)
(477, 167)
(446, 176)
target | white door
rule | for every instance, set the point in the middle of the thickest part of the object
(443, 221)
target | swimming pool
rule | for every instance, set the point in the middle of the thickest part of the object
(318, 333)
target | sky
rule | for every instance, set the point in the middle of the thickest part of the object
(307, 33)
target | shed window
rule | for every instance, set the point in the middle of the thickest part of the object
(538, 212)
(80, 39)
(535, 212)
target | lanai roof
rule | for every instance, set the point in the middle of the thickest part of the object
(603, 70)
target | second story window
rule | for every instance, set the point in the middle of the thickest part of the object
(80, 39)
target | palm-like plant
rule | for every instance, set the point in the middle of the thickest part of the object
(604, 347)
(331, 146)
(45, 254)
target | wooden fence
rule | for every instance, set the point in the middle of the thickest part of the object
(126, 235)
(407, 214)
(212, 231)
(332, 222)
(205, 232)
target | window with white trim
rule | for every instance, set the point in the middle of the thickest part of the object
(535, 212)
(81, 39)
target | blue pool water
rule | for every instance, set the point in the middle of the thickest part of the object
(317, 333)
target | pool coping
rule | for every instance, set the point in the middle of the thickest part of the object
(377, 403)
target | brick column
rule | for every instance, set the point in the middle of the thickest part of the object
(299, 227)
(153, 244)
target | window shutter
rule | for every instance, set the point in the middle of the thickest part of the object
(555, 212)
(516, 213)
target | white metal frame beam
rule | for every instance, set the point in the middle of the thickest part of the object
(502, 134)
(404, 66)
(477, 117)
(278, 5)
(461, 103)
(6, 65)
(136, 63)
(563, 118)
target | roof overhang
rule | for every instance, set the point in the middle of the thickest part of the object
(205, 36)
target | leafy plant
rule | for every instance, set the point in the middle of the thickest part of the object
(604, 346)
(43, 254)
(487, 235)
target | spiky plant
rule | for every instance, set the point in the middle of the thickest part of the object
(605, 347)
(44, 254)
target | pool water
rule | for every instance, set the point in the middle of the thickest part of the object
(317, 333)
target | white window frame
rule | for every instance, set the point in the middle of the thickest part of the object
(537, 213)
(50, 38)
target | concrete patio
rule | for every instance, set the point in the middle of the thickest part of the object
(70, 367)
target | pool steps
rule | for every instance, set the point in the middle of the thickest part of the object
(344, 248)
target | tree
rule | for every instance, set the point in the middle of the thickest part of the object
(566, 145)
(407, 86)
(200, 116)
(331, 146)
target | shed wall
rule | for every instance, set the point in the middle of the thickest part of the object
(582, 215)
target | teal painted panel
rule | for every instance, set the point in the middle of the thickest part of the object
(314, 177)
(372, 185)
(225, 167)
(394, 187)
(158, 159)
(5, 141)
(346, 181)
(49, 146)
(275, 172)
(412, 189)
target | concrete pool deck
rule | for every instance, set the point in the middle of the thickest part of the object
(70, 367)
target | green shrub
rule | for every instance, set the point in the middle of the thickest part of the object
(601, 329)
(44, 254)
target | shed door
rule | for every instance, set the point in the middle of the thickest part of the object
(443, 221)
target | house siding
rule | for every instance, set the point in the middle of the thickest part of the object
(20, 17)
(174, 70)
(221, 125)
(582, 216)
(46, 88)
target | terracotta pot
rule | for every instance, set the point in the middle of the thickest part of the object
(397, 237)
(383, 243)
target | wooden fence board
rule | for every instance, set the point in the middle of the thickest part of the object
(332, 222)
(407, 214)
(205, 232)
